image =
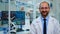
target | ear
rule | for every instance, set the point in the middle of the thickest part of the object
(49, 7)
(39, 9)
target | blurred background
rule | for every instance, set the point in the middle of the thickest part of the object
(22, 13)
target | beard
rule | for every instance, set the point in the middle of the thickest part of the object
(44, 13)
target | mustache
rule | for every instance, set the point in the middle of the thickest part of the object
(44, 11)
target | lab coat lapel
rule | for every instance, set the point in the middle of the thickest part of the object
(50, 26)
(39, 24)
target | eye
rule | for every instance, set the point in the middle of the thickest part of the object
(44, 7)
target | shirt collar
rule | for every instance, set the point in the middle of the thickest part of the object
(45, 18)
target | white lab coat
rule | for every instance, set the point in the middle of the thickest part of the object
(52, 27)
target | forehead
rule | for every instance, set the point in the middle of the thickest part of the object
(44, 4)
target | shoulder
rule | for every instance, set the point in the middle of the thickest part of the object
(54, 19)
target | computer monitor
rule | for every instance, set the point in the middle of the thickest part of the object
(4, 17)
(19, 17)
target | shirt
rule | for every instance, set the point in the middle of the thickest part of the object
(42, 20)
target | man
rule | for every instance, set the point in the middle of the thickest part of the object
(44, 24)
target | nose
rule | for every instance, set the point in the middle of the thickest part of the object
(44, 9)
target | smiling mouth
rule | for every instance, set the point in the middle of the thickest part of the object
(44, 12)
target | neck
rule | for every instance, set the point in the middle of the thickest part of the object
(44, 17)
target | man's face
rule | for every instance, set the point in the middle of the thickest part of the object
(44, 9)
